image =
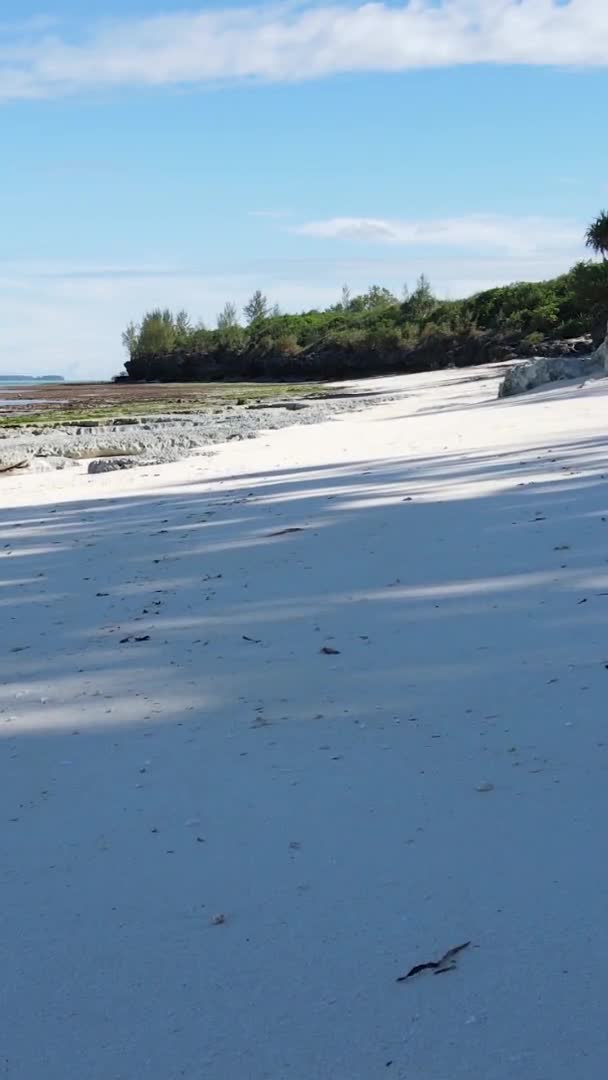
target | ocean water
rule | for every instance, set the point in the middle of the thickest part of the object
(20, 384)
(7, 381)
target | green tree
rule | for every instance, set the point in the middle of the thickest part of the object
(183, 326)
(596, 236)
(422, 302)
(228, 318)
(229, 331)
(157, 332)
(130, 338)
(375, 298)
(256, 308)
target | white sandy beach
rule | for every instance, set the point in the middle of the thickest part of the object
(220, 846)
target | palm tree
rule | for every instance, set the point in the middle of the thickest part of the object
(596, 236)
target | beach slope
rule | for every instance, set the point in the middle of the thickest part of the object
(280, 724)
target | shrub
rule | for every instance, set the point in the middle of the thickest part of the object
(371, 333)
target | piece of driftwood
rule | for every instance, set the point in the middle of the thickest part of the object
(11, 468)
(438, 967)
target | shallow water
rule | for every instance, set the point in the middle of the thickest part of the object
(17, 402)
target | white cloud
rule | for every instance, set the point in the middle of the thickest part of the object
(476, 232)
(290, 41)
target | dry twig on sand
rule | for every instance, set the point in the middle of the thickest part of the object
(11, 468)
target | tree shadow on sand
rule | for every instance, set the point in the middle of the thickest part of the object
(172, 735)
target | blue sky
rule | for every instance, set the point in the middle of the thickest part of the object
(161, 154)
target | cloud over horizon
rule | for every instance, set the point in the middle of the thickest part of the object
(287, 43)
(481, 233)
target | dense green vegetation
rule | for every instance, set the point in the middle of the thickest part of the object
(376, 332)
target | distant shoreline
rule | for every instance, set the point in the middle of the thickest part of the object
(29, 380)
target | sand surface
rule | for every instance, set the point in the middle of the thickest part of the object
(221, 846)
